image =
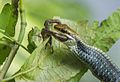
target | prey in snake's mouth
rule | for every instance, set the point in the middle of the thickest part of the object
(62, 32)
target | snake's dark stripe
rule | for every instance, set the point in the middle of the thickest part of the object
(97, 61)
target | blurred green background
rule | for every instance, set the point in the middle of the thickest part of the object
(37, 11)
(40, 10)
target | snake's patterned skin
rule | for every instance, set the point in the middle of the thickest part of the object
(98, 62)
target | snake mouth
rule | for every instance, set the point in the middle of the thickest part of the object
(63, 33)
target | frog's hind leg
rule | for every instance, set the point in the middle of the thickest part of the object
(50, 44)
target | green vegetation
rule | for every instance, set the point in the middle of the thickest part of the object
(42, 65)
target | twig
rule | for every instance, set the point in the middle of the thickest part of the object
(23, 22)
(21, 73)
(16, 42)
(15, 47)
(13, 40)
(8, 62)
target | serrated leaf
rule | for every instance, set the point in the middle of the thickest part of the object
(8, 19)
(108, 32)
(103, 36)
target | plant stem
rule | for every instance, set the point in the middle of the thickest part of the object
(13, 40)
(21, 73)
(15, 47)
(23, 22)
(8, 62)
(16, 42)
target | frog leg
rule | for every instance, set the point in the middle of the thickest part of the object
(48, 24)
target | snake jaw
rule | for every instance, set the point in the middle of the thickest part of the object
(62, 37)
(64, 33)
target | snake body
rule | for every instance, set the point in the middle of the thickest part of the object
(98, 62)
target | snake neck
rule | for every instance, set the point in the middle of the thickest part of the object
(97, 61)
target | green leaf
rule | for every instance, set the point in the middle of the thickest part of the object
(107, 33)
(32, 39)
(76, 78)
(61, 65)
(8, 19)
(103, 36)
(5, 48)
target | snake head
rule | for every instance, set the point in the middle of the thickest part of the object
(65, 34)
(66, 31)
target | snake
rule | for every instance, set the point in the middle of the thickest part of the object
(98, 62)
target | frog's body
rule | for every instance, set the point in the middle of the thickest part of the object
(97, 61)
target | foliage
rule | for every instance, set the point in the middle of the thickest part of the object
(8, 20)
(61, 65)
(32, 39)
(108, 32)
